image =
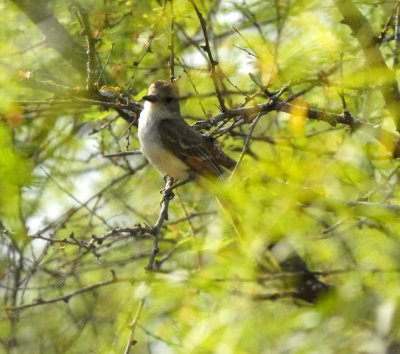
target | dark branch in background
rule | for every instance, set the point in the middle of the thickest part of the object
(172, 43)
(56, 36)
(362, 30)
(388, 139)
(67, 297)
(383, 35)
(213, 63)
(65, 217)
(396, 54)
(106, 97)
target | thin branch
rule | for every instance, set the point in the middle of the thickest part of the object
(64, 298)
(69, 213)
(123, 154)
(131, 340)
(105, 65)
(133, 231)
(213, 63)
(186, 71)
(172, 43)
(383, 35)
(247, 142)
(93, 212)
(396, 54)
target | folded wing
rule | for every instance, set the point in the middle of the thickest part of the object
(197, 151)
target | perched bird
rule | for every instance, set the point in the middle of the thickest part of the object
(170, 144)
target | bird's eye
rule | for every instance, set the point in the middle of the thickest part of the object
(168, 99)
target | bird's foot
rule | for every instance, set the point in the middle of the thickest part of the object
(167, 190)
(167, 193)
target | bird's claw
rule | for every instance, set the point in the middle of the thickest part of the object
(167, 193)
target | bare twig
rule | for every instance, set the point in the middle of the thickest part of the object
(247, 142)
(83, 205)
(383, 35)
(105, 65)
(130, 231)
(69, 213)
(193, 85)
(213, 63)
(64, 298)
(123, 153)
(172, 43)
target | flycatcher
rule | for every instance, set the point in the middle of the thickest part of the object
(170, 144)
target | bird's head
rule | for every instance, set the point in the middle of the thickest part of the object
(163, 95)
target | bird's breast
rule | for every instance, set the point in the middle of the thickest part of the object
(154, 150)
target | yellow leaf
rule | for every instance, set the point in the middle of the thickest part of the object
(298, 116)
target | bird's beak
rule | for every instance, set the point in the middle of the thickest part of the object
(150, 98)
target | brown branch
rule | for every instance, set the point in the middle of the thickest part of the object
(172, 43)
(213, 63)
(123, 154)
(276, 105)
(389, 140)
(130, 231)
(91, 246)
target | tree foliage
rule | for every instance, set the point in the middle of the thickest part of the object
(303, 255)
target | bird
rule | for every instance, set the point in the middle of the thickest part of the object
(171, 145)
